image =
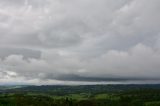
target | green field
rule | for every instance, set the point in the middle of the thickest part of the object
(94, 95)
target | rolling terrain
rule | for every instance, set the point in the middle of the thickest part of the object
(80, 95)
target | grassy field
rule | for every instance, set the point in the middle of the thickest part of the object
(96, 95)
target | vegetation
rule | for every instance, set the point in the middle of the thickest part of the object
(89, 95)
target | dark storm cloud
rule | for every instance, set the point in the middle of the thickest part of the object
(47, 41)
(73, 77)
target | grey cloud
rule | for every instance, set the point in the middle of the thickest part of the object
(80, 40)
(112, 66)
(26, 53)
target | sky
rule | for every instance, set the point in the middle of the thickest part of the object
(79, 41)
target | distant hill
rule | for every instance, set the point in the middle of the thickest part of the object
(62, 89)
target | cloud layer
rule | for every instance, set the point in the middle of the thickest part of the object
(79, 41)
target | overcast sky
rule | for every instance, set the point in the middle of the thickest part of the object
(79, 41)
